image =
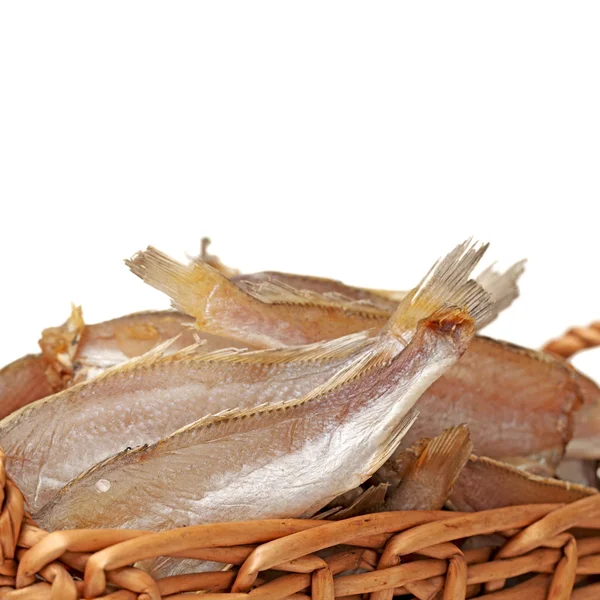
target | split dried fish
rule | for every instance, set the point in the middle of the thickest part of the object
(149, 397)
(516, 402)
(273, 287)
(24, 381)
(494, 388)
(270, 286)
(100, 346)
(585, 443)
(485, 483)
(273, 313)
(289, 458)
(76, 352)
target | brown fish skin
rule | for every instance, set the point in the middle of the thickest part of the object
(25, 380)
(485, 483)
(516, 402)
(586, 435)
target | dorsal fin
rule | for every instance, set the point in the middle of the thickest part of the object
(274, 291)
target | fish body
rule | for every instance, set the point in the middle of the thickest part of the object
(75, 352)
(146, 399)
(266, 310)
(288, 459)
(291, 457)
(259, 284)
(516, 402)
(24, 381)
(485, 484)
(100, 346)
(494, 389)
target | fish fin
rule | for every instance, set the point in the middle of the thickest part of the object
(59, 347)
(502, 288)
(320, 351)
(446, 285)
(273, 291)
(356, 368)
(192, 288)
(369, 500)
(147, 359)
(387, 448)
(431, 476)
(213, 260)
(499, 484)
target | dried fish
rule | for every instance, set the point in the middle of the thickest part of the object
(585, 443)
(426, 479)
(516, 402)
(273, 286)
(273, 313)
(24, 381)
(494, 388)
(100, 346)
(485, 483)
(293, 457)
(151, 396)
(501, 287)
(76, 352)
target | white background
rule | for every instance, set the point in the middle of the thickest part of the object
(354, 140)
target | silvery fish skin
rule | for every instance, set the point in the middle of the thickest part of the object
(147, 398)
(288, 459)
(76, 352)
(485, 484)
(268, 313)
(292, 457)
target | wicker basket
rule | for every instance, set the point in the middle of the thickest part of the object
(422, 554)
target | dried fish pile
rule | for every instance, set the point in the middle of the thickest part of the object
(272, 396)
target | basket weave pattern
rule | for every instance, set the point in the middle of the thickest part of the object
(411, 552)
(418, 553)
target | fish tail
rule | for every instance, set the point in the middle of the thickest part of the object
(502, 288)
(445, 291)
(190, 287)
(431, 477)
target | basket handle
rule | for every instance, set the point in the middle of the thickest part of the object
(575, 340)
